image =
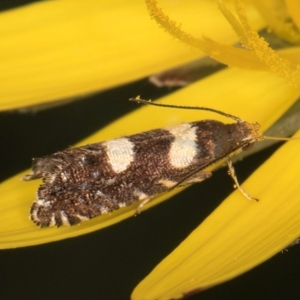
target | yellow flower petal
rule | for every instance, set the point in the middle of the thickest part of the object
(293, 10)
(239, 234)
(277, 14)
(264, 96)
(258, 54)
(232, 56)
(53, 50)
(60, 49)
(251, 40)
(206, 10)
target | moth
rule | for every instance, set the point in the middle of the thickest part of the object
(84, 182)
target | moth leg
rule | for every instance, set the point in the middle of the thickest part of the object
(139, 208)
(195, 178)
(233, 176)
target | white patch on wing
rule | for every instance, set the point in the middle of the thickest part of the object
(64, 177)
(104, 210)
(184, 147)
(50, 178)
(64, 218)
(96, 174)
(34, 212)
(140, 195)
(42, 202)
(82, 218)
(167, 183)
(33, 215)
(52, 222)
(120, 153)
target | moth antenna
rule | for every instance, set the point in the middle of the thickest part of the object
(235, 118)
(149, 102)
(275, 138)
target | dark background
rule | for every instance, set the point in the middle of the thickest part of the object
(109, 263)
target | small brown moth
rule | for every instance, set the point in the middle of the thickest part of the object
(84, 182)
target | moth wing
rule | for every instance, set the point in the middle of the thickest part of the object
(57, 206)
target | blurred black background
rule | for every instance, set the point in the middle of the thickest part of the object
(109, 263)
